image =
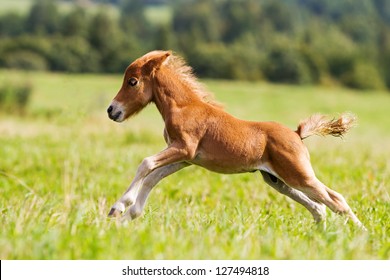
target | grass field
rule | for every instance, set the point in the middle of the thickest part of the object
(64, 163)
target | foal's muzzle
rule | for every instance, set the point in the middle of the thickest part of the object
(113, 114)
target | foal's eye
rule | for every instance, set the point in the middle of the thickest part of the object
(132, 81)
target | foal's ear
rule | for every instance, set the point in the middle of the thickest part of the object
(156, 61)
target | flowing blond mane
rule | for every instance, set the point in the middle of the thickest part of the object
(186, 74)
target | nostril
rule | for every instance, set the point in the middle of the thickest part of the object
(109, 110)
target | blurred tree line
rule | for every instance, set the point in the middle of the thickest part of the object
(288, 41)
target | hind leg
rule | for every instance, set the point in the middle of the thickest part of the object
(294, 168)
(315, 189)
(316, 209)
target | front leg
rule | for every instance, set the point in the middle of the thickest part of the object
(173, 154)
(148, 184)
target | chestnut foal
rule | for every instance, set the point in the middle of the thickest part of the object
(198, 131)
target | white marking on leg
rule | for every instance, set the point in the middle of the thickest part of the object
(119, 206)
(148, 184)
(130, 196)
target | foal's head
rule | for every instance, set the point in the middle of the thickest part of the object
(136, 91)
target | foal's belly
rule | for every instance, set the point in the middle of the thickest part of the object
(230, 169)
(228, 163)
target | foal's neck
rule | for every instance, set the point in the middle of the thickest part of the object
(170, 93)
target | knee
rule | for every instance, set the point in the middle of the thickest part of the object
(146, 166)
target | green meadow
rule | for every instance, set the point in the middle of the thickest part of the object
(63, 163)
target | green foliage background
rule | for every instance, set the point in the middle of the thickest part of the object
(289, 41)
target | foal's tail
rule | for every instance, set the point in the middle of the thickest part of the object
(321, 125)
